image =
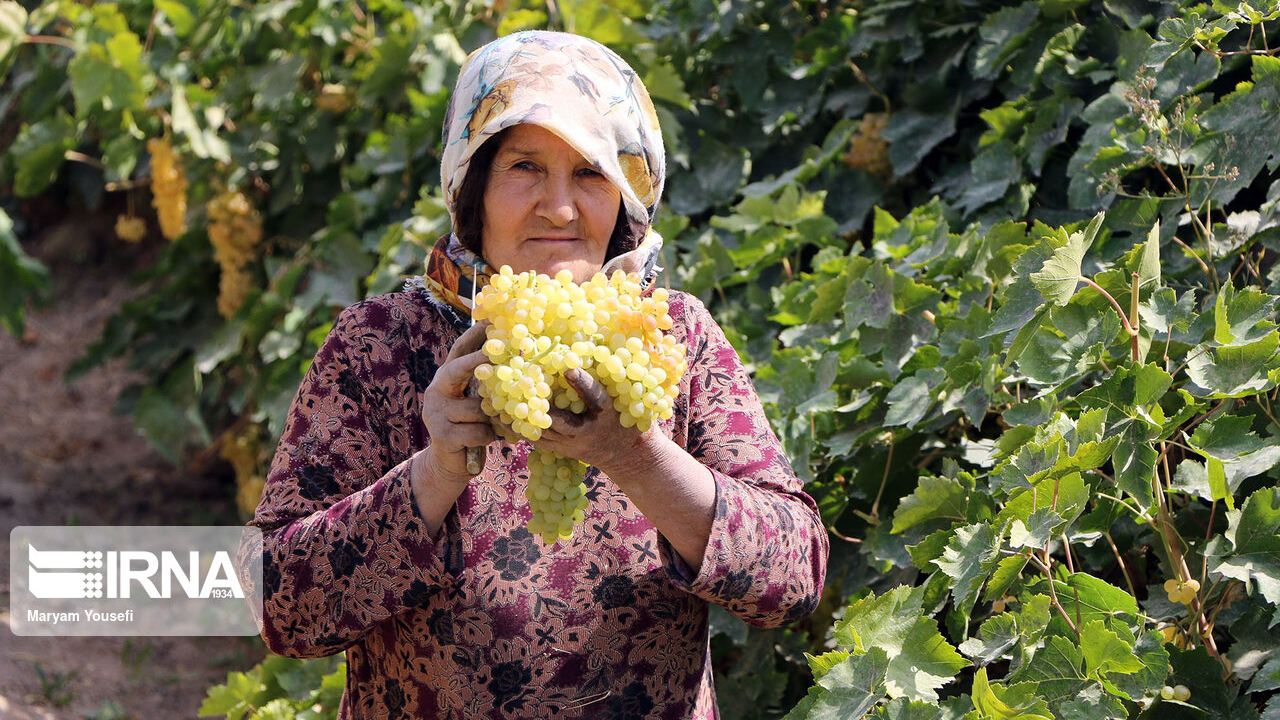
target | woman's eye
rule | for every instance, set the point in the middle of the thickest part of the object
(590, 173)
(525, 165)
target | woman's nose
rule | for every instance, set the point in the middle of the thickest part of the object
(559, 203)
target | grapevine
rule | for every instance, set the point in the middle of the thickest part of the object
(542, 327)
(168, 187)
(235, 229)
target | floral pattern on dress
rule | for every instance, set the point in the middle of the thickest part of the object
(483, 620)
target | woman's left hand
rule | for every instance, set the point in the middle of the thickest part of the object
(596, 436)
(673, 490)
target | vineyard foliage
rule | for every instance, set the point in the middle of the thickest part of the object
(1004, 273)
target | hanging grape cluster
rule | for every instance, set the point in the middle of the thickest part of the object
(235, 229)
(868, 150)
(168, 188)
(542, 327)
(130, 228)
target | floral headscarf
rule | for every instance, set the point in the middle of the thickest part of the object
(585, 94)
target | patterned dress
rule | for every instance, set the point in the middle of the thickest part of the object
(484, 621)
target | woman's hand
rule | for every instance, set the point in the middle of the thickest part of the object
(673, 490)
(454, 423)
(596, 436)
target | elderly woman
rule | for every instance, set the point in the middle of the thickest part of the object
(378, 542)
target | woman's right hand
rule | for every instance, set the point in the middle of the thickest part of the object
(454, 422)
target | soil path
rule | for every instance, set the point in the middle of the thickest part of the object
(65, 459)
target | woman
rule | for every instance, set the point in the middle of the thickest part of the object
(380, 543)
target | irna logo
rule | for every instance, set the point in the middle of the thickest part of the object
(80, 574)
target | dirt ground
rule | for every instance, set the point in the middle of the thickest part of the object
(64, 459)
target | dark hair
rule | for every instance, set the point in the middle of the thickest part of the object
(469, 208)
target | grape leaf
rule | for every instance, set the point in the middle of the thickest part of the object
(1244, 317)
(1233, 452)
(849, 689)
(1236, 371)
(996, 636)
(1254, 551)
(1166, 311)
(1242, 129)
(1008, 702)
(935, 498)
(1058, 278)
(1021, 300)
(13, 30)
(1105, 652)
(904, 709)
(819, 665)
(1058, 670)
(1149, 649)
(1037, 529)
(920, 659)
(1149, 265)
(968, 560)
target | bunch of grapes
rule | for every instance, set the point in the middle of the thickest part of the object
(241, 447)
(168, 188)
(235, 229)
(1182, 592)
(868, 150)
(130, 228)
(541, 327)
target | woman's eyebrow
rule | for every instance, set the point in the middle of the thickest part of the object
(516, 150)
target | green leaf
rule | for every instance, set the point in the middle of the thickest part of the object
(1105, 652)
(204, 144)
(1238, 371)
(1254, 551)
(1128, 388)
(1234, 453)
(1244, 317)
(21, 277)
(904, 709)
(968, 560)
(935, 498)
(848, 690)
(920, 659)
(869, 300)
(1057, 669)
(1036, 531)
(13, 31)
(1150, 651)
(1065, 496)
(1134, 461)
(1149, 265)
(1166, 311)
(998, 634)
(1242, 129)
(1021, 300)
(1012, 702)
(178, 14)
(169, 426)
(1058, 278)
(1007, 571)
(1202, 674)
(908, 402)
(820, 664)
(39, 151)
(1089, 598)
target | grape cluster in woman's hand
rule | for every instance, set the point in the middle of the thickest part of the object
(541, 328)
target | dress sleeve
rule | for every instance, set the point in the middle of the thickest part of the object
(344, 547)
(766, 558)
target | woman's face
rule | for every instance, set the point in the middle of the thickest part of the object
(545, 207)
